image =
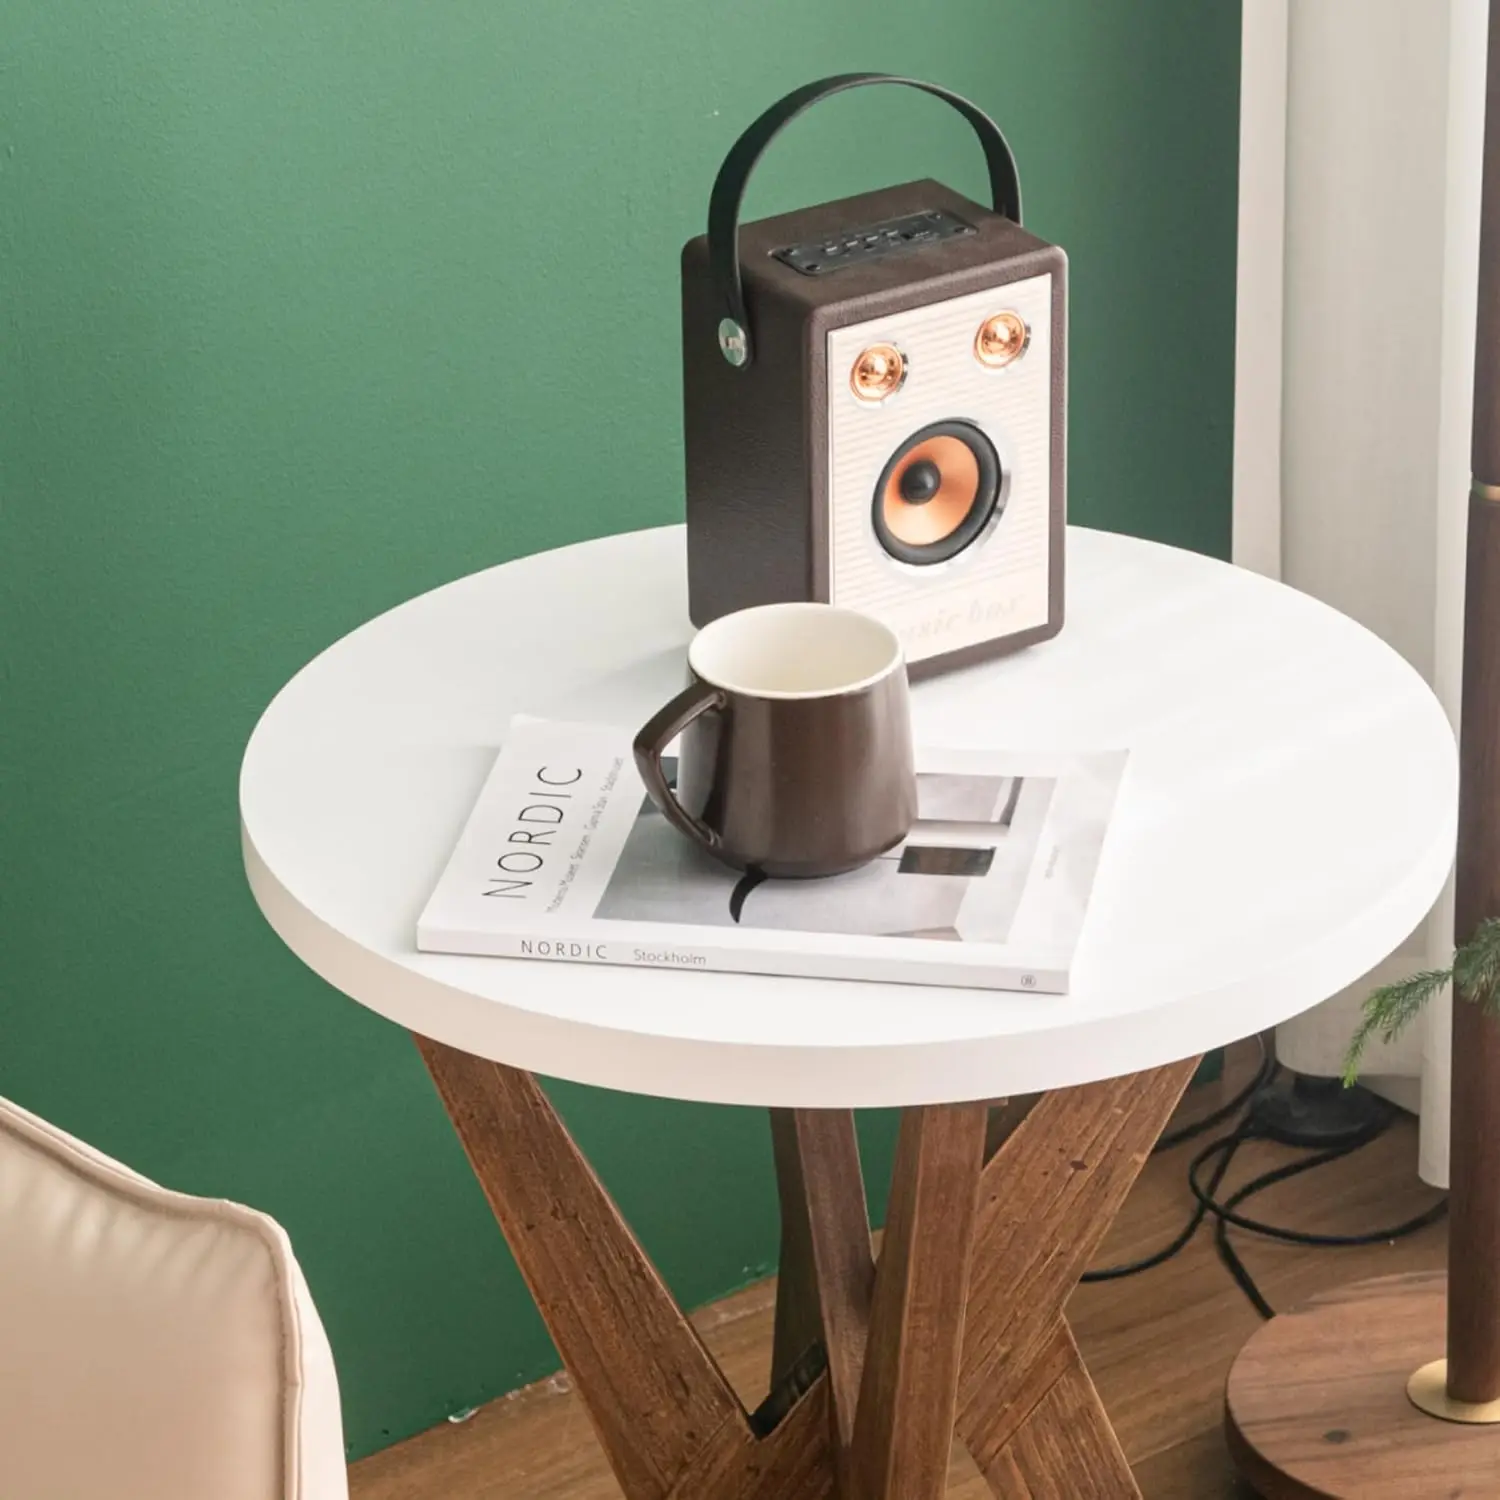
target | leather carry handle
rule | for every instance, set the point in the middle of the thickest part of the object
(656, 734)
(734, 176)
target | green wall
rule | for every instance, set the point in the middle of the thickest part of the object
(298, 308)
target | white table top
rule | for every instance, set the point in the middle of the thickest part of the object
(1288, 819)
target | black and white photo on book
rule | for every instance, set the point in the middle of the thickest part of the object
(564, 857)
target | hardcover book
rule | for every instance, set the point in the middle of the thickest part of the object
(564, 858)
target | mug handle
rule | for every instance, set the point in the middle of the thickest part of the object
(655, 735)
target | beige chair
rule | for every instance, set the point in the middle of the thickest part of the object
(153, 1346)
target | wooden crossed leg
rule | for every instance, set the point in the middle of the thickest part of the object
(958, 1327)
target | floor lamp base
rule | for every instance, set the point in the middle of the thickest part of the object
(1318, 1405)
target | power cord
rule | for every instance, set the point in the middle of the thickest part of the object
(1224, 1213)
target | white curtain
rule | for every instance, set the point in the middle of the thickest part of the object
(1362, 125)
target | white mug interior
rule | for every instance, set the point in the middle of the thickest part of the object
(799, 650)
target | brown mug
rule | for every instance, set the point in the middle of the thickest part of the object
(796, 754)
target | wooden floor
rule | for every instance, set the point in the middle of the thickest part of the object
(1159, 1344)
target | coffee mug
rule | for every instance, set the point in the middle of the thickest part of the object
(796, 754)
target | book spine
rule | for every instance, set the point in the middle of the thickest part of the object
(709, 958)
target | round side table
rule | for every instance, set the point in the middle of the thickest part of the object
(1287, 819)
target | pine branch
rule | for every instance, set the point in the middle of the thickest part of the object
(1475, 975)
(1476, 966)
(1393, 1007)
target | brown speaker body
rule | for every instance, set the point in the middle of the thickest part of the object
(785, 461)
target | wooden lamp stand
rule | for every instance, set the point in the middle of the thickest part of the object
(1347, 1397)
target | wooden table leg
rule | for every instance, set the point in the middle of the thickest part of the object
(666, 1418)
(904, 1426)
(892, 1334)
(1028, 1411)
(1056, 1169)
(827, 1271)
(960, 1322)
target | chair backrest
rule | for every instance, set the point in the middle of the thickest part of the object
(153, 1346)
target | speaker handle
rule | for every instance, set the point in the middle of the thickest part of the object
(734, 176)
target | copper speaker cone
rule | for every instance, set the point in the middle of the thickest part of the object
(939, 492)
(921, 523)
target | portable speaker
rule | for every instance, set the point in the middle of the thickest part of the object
(875, 404)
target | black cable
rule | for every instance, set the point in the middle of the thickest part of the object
(1240, 1272)
(1225, 1216)
(1337, 1241)
(1205, 1203)
(1223, 1212)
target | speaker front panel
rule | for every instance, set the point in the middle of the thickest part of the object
(939, 467)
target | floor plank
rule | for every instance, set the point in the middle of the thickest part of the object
(1159, 1345)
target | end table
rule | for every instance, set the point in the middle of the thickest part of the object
(1288, 818)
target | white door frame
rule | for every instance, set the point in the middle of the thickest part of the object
(1298, 507)
(1259, 295)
